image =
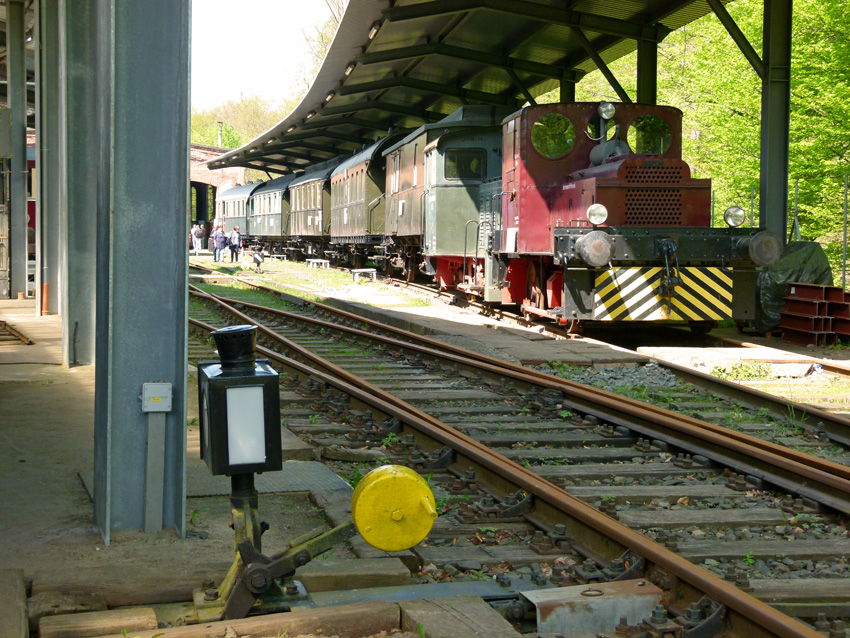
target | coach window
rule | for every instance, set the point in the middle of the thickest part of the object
(553, 135)
(394, 174)
(649, 134)
(465, 163)
(415, 164)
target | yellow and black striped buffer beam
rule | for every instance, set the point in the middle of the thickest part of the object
(634, 294)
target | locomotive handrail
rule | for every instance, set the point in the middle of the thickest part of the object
(422, 208)
(465, 242)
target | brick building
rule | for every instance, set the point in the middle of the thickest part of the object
(205, 183)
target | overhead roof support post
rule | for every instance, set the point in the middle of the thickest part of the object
(567, 91)
(774, 69)
(142, 261)
(647, 72)
(86, 70)
(775, 117)
(17, 99)
(50, 236)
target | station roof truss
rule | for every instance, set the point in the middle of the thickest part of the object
(404, 63)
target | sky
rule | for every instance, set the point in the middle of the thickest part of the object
(250, 47)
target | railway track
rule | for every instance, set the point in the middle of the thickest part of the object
(669, 480)
(721, 402)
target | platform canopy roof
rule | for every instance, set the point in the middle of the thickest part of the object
(400, 64)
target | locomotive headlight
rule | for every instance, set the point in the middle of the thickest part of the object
(606, 110)
(734, 216)
(597, 214)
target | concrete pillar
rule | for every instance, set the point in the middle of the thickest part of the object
(17, 98)
(141, 256)
(50, 230)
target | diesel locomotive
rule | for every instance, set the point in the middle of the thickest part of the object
(575, 212)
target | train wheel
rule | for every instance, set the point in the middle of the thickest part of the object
(411, 269)
(535, 290)
(701, 328)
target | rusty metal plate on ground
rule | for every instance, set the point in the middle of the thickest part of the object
(593, 609)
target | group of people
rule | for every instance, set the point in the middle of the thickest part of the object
(219, 241)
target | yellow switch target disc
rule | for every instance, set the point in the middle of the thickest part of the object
(393, 508)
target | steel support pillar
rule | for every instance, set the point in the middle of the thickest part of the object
(775, 116)
(647, 72)
(567, 91)
(86, 67)
(50, 236)
(142, 230)
(17, 99)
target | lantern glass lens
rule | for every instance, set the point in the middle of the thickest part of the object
(246, 435)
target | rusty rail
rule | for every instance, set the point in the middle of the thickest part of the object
(747, 614)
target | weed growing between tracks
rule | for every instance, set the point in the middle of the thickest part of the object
(744, 371)
(247, 294)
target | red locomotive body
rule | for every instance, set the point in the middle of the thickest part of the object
(544, 192)
(596, 193)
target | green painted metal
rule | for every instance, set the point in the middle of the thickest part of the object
(554, 15)
(647, 72)
(775, 117)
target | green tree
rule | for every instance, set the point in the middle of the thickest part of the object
(205, 129)
(319, 40)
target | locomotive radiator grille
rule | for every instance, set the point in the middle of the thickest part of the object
(633, 294)
(655, 207)
(654, 174)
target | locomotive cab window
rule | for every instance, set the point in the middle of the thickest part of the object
(553, 135)
(466, 163)
(649, 134)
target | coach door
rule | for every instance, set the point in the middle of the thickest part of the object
(429, 196)
(393, 197)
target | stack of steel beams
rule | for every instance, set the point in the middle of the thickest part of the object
(814, 314)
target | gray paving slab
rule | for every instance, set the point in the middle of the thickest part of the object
(296, 476)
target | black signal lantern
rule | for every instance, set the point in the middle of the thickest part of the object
(239, 404)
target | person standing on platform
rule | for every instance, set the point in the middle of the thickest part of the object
(197, 238)
(220, 240)
(235, 243)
